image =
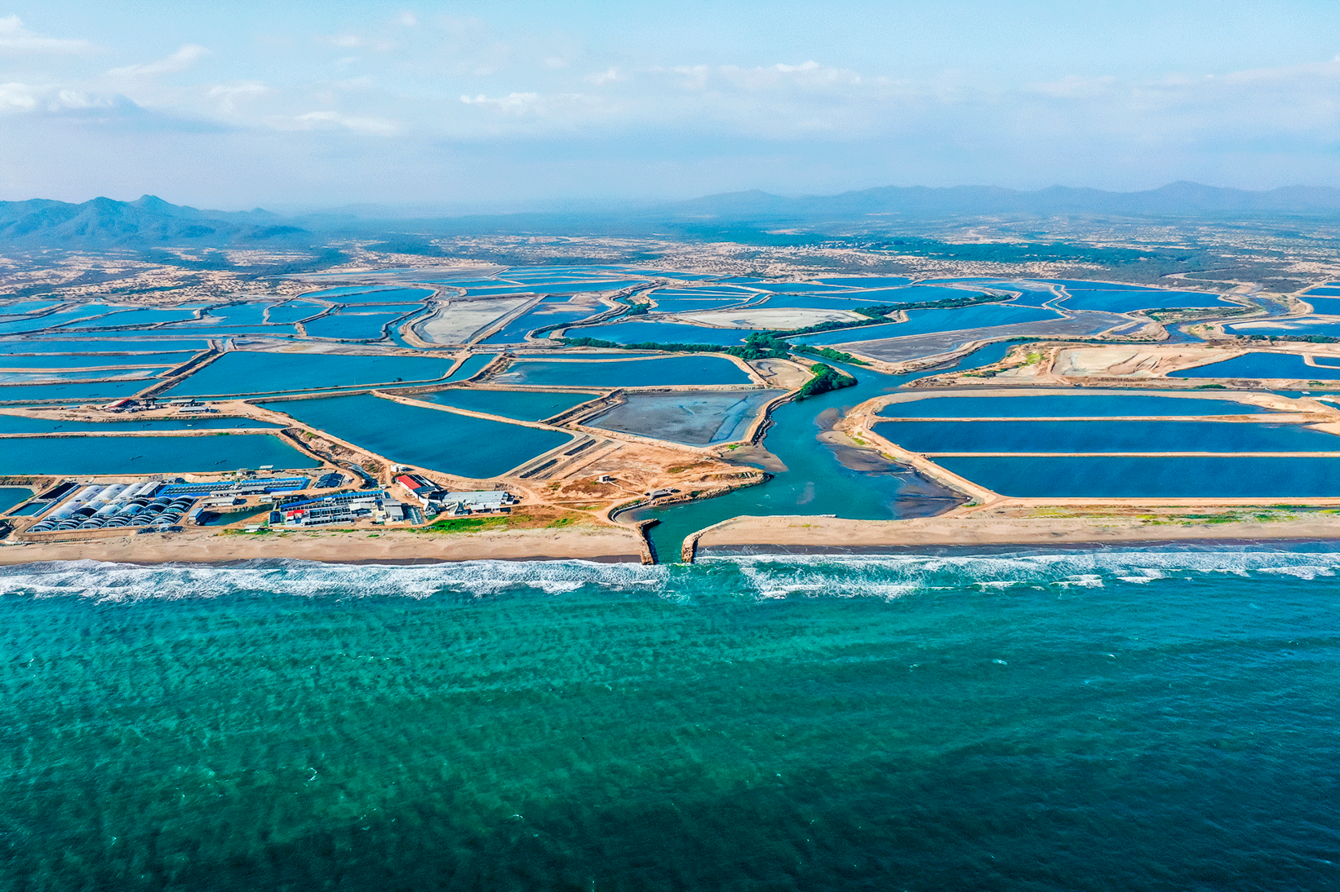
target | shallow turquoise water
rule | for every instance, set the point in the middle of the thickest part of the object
(430, 438)
(813, 479)
(1049, 722)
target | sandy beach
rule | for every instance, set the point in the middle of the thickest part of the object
(1005, 527)
(603, 543)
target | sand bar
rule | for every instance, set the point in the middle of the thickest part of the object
(603, 543)
(1015, 527)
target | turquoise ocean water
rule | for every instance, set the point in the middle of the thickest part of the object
(1133, 720)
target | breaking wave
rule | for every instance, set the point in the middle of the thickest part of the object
(759, 577)
(893, 576)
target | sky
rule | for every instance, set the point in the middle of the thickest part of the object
(300, 105)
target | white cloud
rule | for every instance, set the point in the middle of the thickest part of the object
(181, 60)
(408, 19)
(609, 75)
(513, 103)
(229, 95)
(15, 38)
(357, 41)
(17, 97)
(374, 126)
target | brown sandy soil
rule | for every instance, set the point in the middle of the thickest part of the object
(1021, 525)
(581, 541)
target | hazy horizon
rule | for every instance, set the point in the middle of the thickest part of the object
(478, 108)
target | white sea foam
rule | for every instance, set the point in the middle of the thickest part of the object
(127, 582)
(886, 577)
(892, 576)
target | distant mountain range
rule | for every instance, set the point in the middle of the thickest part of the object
(146, 222)
(1180, 199)
(150, 222)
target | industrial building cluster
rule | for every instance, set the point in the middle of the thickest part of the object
(379, 506)
(167, 505)
(438, 500)
(344, 507)
(114, 505)
(149, 505)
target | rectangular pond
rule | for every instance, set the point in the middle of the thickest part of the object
(23, 307)
(241, 372)
(523, 405)
(552, 311)
(930, 437)
(51, 320)
(365, 295)
(354, 326)
(670, 371)
(1325, 326)
(865, 281)
(293, 312)
(1127, 301)
(1325, 306)
(443, 441)
(58, 361)
(935, 321)
(1261, 365)
(76, 456)
(21, 424)
(75, 392)
(1060, 405)
(1138, 477)
(694, 419)
(13, 495)
(695, 304)
(89, 345)
(57, 376)
(640, 332)
(133, 317)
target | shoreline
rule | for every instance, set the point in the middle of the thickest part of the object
(976, 531)
(603, 544)
(991, 531)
